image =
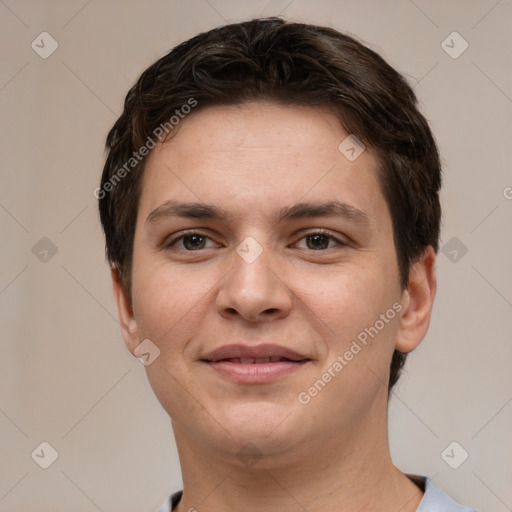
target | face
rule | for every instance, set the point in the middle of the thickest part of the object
(262, 257)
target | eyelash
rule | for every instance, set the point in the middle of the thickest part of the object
(172, 243)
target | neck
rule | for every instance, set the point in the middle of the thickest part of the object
(343, 472)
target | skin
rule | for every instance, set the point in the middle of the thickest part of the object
(332, 453)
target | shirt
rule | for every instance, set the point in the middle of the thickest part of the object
(434, 500)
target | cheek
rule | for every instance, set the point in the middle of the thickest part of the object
(170, 301)
(170, 307)
(345, 310)
(345, 300)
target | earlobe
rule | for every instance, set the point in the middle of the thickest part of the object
(417, 302)
(127, 319)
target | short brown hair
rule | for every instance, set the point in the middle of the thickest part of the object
(291, 63)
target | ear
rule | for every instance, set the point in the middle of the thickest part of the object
(417, 301)
(127, 319)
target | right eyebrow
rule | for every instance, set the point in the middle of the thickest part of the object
(189, 210)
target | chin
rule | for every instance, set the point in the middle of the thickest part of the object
(268, 429)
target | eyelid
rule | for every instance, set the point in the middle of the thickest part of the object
(173, 239)
(321, 231)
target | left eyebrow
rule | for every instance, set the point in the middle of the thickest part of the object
(298, 211)
(330, 209)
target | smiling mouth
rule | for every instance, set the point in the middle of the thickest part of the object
(261, 364)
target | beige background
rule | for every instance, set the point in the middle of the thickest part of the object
(66, 376)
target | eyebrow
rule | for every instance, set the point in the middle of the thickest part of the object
(197, 210)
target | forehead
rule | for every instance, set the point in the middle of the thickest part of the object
(259, 156)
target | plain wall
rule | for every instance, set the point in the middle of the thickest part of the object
(66, 376)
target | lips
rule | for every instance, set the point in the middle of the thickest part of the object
(243, 354)
(255, 360)
(254, 364)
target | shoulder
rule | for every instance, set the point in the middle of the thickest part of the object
(435, 500)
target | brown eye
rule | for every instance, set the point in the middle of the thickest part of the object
(193, 242)
(317, 242)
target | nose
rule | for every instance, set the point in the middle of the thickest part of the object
(254, 291)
